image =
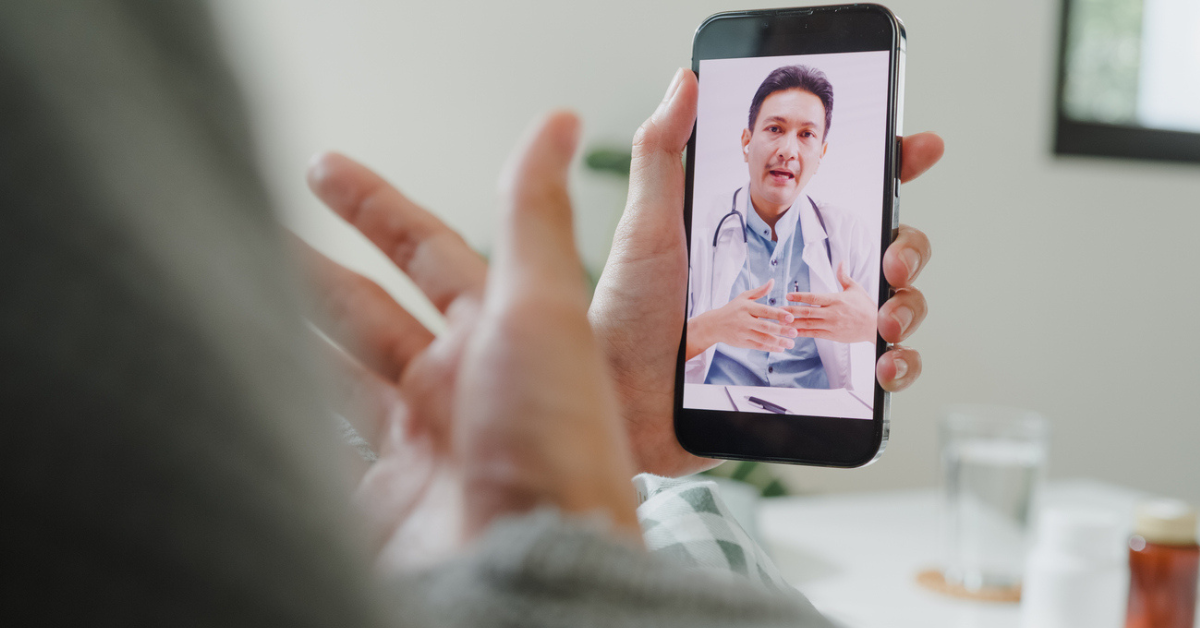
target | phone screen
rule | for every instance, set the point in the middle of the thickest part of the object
(788, 203)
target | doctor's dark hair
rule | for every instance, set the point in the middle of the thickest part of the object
(800, 77)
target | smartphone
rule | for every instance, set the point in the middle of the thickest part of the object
(791, 199)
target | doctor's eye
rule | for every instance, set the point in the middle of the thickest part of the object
(807, 134)
(773, 129)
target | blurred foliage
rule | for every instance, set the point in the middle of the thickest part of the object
(611, 160)
(1103, 60)
(756, 474)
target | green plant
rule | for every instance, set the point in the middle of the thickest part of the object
(756, 474)
(611, 160)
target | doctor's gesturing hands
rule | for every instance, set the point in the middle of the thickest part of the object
(846, 316)
(743, 322)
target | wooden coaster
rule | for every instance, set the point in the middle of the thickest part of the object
(933, 580)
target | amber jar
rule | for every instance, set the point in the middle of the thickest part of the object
(1164, 561)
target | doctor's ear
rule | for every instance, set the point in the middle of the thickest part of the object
(746, 145)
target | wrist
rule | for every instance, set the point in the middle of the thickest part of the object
(698, 335)
(488, 499)
(516, 480)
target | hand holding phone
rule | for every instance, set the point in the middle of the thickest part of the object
(792, 181)
(633, 312)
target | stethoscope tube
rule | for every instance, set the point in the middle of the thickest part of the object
(732, 212)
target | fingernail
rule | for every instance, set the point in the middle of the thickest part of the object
(317, 169)
(337, 192)
(904, 316)
(901, 368)
(671, 89)
(911, 260)
(788, 344)
(568, 134)
(674, 87)
(787, 317)
(792, 333)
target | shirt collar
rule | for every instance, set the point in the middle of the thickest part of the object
(810, 225)
(786, 224)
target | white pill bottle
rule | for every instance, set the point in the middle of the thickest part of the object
(1077, 575)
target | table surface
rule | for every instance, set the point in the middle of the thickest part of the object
(837, 402)
(856, 556)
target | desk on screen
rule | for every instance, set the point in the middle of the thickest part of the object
(839, 402)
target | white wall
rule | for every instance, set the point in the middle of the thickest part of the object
(1063, 285)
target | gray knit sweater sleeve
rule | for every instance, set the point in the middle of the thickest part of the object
(546, 570)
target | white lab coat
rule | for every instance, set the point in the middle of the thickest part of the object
(713, 272)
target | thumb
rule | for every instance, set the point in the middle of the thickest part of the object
(844, 278)
(662, 138)
(536, 244)
(759, 292)
(654, 211)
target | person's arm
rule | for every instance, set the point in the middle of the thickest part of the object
(165, 454)
(543, 570)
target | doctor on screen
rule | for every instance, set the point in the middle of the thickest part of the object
(780, 283)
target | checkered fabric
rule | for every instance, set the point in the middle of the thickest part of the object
(685, 520)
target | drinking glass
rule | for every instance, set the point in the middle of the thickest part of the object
(993, 461)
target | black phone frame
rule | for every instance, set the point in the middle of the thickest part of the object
(799, 439)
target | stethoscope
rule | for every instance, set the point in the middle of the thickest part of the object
(734, 213)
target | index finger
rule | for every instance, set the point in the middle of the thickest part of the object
(536, 245)
(758, 310)
(436, 258)
(811, 298)
(919, 153)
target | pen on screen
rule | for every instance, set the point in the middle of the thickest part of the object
(767, 405)
(731, 401)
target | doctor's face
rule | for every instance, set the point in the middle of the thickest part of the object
(784, 148)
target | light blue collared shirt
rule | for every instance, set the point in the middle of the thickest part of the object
(782, 260)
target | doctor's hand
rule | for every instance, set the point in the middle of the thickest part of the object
(512, 406)
(846, 316)
(743, 323)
